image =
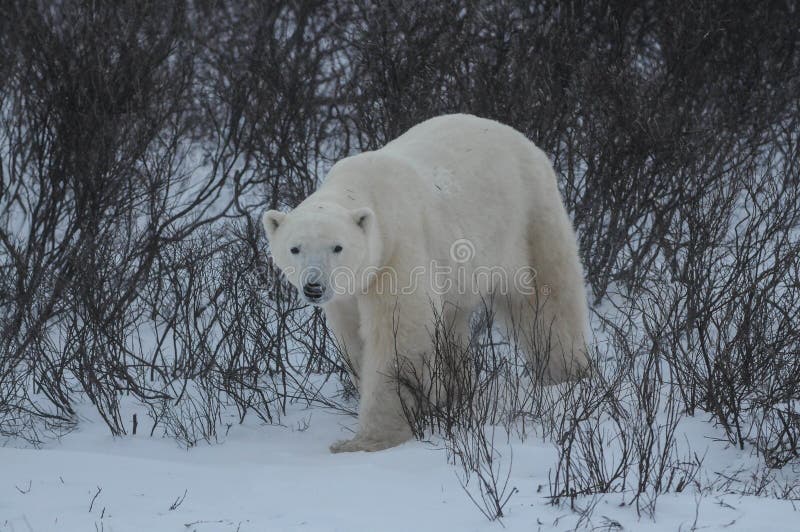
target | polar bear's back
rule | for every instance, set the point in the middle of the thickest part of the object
(452, 177)
(478, 157)
(464, 142)
(482, 169)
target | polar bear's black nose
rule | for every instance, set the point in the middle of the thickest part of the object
(313, 290)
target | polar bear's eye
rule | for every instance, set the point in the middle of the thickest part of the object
(337, 248)
(295, 250)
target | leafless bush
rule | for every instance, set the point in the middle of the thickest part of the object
(473, 382)
(616, 431)
(463, 390)
(759, 482)
(129, 139)
(478, 460)
(724, 315)
(89, 163)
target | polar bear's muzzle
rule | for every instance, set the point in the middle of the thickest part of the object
(313, 287)
(314, 292)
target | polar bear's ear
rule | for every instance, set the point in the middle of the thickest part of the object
(272, 220)
(363, 217)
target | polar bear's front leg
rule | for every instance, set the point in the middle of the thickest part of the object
(343, 319)
(382, 423)
(395, 339)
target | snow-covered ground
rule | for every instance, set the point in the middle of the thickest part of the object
(264, 478)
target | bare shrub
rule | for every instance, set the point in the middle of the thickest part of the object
(478, 460)
(464, 389)
(724, 320)
(129, 139)
(616, 433)
(762, 481)
(89, 160)
(482, 380)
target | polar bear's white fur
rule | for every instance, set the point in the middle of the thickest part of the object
(453, 196)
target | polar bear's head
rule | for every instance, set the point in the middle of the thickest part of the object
(322, 249)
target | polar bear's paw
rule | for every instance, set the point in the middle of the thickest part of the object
(364, 443)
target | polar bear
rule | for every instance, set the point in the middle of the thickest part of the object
(395, 237)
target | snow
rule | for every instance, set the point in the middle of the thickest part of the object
(264, 477)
